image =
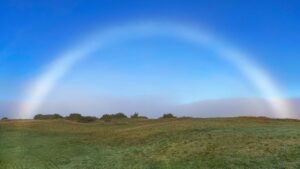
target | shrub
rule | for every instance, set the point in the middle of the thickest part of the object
(143, 117)
(137, 116)
(74, 116)
(119, 116)
(87, 119)
(4, 118)
(167, 116)
(109, 117)
(47, 117)
(106, 117)
(79, 118)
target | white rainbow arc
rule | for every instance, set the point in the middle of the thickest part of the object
(45, 82)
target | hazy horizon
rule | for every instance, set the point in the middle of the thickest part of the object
(155, 107)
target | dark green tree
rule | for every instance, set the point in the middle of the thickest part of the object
(4, 118)
(47, 117)
(82, 119)
(167, 116)
(135, 115)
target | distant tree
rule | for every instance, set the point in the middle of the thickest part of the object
(110, 117)
(119, 115)
(135, 115)
(87, 119)
(79, 118)
(186, 117)
(38, 117)
(74, 116)
(168, 115)
(47, 117)
(143, 117)
(4, 118)
(106, 117)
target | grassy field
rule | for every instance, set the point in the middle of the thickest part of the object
(138, 144)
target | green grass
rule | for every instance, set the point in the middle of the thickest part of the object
(151, 144)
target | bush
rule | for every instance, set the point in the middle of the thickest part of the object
(106, 117)
(4, 118)
(167, 116)
(119, 116)
(47, 117)
(109, 117)
(87, 119)
(79, 118)
(143, 117)
(136, 116)
(74, 116)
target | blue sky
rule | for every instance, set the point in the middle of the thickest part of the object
(33, 33)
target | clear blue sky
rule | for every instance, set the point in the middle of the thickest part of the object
(33, 33)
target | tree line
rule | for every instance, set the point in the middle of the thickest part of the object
(86, 119)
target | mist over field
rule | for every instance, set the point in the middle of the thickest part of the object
(154, 107)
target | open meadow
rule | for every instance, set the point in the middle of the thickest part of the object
(150, 144)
